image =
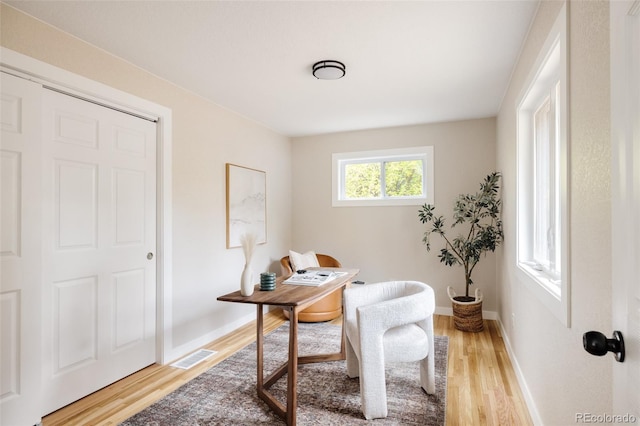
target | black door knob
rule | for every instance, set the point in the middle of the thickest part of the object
(597, 343)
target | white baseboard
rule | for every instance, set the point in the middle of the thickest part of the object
(528, 398)
(489, 315)
(182, 350)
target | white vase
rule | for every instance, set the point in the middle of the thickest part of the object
(246, 281)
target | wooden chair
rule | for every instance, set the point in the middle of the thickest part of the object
(325, 309)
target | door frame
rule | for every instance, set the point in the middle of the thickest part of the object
(73, 84)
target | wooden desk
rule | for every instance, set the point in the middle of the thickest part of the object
(293, 298)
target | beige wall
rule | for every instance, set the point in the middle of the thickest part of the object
(205, 137)
(386, 242)
(562, 378)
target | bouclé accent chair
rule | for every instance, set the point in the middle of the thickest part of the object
(388, 322)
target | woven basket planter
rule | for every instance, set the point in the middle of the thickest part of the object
(467, 315)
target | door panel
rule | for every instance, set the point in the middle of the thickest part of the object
(128, 307)
(20, 251)
(75, 205)
(74, 332)
(99, 293)
(10, 162)
(128, 207)
(76, 129)
(625, 129)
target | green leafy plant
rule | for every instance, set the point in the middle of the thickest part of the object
(480, 213)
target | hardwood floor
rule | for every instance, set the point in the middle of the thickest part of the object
(482, 387)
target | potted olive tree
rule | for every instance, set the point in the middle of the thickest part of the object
(478, 218)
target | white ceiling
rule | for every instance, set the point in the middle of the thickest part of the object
(408, 62)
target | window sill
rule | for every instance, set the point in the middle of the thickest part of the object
(542, 278)
(548, 290)
(380, 202)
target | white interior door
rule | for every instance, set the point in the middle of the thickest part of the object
(99, 209)
(625, 120)
(20, 248)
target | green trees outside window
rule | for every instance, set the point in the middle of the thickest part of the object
(402, 178)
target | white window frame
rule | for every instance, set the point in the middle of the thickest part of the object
(546, 196)
(550, 69)
(339, 160)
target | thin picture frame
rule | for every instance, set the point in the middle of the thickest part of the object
(246, 204)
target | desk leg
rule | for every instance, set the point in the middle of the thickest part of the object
(292, 373)
(343, 337)
(259, 354)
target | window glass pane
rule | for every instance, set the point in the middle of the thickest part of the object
(390, 177)
(546, 241)
(362, 180)
(542, 225)
(555, 110)
(403, 178)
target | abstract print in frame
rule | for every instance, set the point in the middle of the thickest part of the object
(246, 204)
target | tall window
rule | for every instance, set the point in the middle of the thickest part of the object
(542, 169)
(387, 177)
(546, 193)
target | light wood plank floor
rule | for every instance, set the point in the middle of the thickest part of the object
(482, 387)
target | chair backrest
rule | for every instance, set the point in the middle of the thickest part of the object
(402, 294)
(419, 293)
(323, 260)
(395, 289)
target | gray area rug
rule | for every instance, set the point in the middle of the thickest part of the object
(226, 393)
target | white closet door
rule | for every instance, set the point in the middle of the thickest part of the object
(20, 248)
(99, 209)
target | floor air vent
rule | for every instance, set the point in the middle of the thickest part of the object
(193, 359)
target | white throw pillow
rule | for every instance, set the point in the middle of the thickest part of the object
(303, 261)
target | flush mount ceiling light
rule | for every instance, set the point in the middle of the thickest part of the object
(328, 70)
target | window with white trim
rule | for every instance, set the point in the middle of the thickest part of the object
(386, 177)
(542, 169)
(546, 191)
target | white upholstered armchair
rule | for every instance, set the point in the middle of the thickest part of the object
(388, 322)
